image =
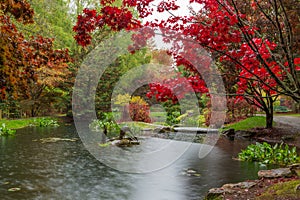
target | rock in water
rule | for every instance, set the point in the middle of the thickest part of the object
(124, 142)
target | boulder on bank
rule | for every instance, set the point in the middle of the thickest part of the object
(239, 188)
(231, 134)
(218, 193)
(215, 193)
(241, 185)
(295, 168)
(275, 173)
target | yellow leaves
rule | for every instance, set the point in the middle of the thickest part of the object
(52, 75)
(122, 99)
(138, 100)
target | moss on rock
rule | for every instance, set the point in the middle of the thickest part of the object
(284, 190)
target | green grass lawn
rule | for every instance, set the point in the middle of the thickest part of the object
(17, 123)
(249, 123)
(158, 114)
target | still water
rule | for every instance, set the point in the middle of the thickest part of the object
(66, 170)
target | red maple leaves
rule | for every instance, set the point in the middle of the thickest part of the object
(114, 17)
(230, 34)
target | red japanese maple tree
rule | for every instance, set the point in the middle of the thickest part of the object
(253, 37)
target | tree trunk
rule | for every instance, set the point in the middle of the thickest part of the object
(269, 118)
(32, 111)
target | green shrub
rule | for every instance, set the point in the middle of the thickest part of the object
(106, 123)
(173, 112)
(201, 120)
(189, 119)
(172, 118)
(268, 154)
(45, 122)
(4, 131)
(110, 126)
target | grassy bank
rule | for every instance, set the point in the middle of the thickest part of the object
(249, 123)
(19, 123)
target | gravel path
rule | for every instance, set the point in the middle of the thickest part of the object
(287, 130)
(288, 120)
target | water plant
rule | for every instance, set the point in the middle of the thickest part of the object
(45, 122)
(267, 154)
(4, 131)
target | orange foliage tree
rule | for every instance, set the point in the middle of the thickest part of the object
(27, 66)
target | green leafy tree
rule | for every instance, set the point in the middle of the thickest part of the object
(52, 19)
(112, 75)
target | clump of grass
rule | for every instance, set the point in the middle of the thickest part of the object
(45, 122)
(4, 131)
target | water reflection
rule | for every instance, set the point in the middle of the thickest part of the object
(65, 170)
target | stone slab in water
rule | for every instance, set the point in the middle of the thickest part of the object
(195, 129)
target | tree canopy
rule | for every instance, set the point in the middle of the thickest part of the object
(27, 65)
(257, 40)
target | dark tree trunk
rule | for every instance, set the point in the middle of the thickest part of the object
(269, 116)
(269, 119)
(32, 111)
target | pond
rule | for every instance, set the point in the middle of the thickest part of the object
(66, 170)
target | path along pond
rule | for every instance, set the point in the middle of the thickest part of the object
(66, 170)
